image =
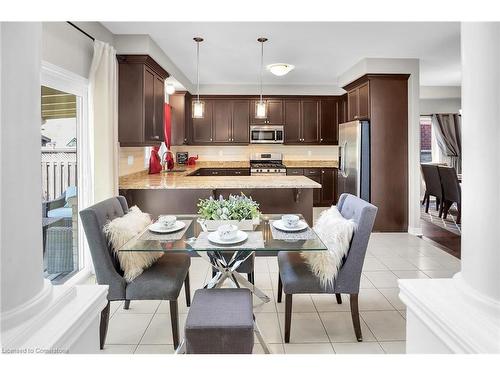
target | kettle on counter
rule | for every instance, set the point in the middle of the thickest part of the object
(192, 160)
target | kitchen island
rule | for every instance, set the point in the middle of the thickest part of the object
(178, 192)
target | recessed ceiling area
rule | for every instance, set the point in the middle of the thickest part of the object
(320, 51)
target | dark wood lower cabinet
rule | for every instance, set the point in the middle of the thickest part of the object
(221, 172)
(327, 177)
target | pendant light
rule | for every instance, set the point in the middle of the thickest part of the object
(260, 106)
(198, 107)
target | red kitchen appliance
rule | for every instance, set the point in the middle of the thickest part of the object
(154, 161)
(192, 160)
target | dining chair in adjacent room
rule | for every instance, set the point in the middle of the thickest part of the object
(162, 281)
(432, 187)
(296, 277)
(452, 191)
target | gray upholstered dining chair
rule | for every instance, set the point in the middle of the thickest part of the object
(162, 281)
(295, 276)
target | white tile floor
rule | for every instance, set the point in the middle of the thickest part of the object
(319, 324)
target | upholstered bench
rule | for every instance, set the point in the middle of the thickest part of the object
(220, 321)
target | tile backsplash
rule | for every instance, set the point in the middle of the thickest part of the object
(140, 155)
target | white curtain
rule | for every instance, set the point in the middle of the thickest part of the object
(103, 116)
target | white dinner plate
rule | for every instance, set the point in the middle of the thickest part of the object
(301, 225)
(159, 228)
(240, 237)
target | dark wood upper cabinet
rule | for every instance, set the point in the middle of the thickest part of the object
(310, 121)
(201, 130)
(181, 112)
(141, 98)
(222, 121)
(225, 121)
(274, 109)
(328, 130)
(358, 102)
(241, 121)
(306, 120)
(293, 133)
(342, 111)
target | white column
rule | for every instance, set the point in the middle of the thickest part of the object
(481, 158)
(35, 316)
(24, 291)
(461, 315)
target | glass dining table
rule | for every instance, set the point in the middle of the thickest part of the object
(262, 241)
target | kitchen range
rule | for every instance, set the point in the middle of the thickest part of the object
(264, 164)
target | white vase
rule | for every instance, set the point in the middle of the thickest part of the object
(247, 224)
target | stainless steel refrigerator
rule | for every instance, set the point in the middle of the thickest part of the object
(354, 159)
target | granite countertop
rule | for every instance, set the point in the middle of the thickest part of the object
(182, 180)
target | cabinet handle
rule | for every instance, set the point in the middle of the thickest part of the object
(323, 172)
(210, 139)
(321, 140)
(155, 137)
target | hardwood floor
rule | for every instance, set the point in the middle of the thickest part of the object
(444, 239)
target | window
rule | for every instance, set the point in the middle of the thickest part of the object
(425, 139)
(66, 185)
(59, 184)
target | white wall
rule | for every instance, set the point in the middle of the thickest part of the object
(440, 99)
(431, 106)
(143, 44)
(68, 48)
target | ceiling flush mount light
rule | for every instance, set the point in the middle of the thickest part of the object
(260, 106)
(170, 88)
(198, 108)
(280, 69)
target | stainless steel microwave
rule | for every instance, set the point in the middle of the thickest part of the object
(267, 134)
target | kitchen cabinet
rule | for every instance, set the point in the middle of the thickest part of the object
(292, 121)
(222, 121)
(327, 177)
(225, 121)
(141, 97)
(274, 111)
(383, 99)
(240, 121)
(302, 118)
(310, 121)
(329, 121)
(181, 111)
(201, 128)
(222, 172)
(358, 102)
(328, 186)
(341, 111)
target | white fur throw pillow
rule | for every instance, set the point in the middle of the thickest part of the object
(120, 231)
(336, 233)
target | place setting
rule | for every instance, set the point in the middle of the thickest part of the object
(167, 227)
(291, 227)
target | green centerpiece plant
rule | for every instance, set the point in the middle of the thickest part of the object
(238, 209)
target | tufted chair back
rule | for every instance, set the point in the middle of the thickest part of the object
(364, 214)
(107, 268)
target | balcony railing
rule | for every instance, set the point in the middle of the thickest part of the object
(59, 170)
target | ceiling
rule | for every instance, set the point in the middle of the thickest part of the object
(320, 51)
